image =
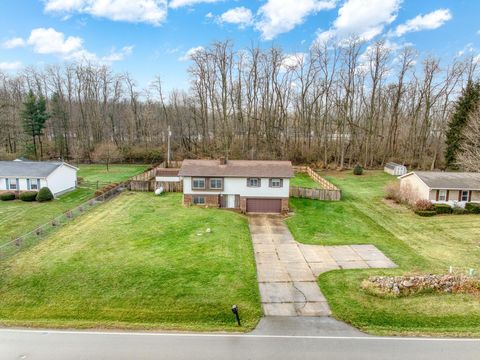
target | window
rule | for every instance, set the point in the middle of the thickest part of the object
(442, 195)
(34, 184)
(198, 183)
(12, 184)
(464, 196)
(199, 200)
(276, 183)
(253, 182)
(215, 184)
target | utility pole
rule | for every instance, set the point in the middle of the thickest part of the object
(168, 146)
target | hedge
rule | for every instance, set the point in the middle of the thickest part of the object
(7, 196)
(358, 170)
(443, 209)
(28, 196)
(472, 208)
(44, 195)
(460, 211)
(426, 213)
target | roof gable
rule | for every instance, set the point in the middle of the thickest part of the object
(35, 169)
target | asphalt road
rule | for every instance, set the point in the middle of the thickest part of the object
(53, 345)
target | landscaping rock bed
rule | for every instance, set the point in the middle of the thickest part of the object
(410, 285)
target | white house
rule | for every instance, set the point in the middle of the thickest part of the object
(246, 185)
(453, 188)
(395, 169)
(19, 176)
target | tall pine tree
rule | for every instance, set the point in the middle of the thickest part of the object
(465, 106)
(34, 116)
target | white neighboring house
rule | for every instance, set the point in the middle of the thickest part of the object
(252, 186)
(395, 169)
(453, 188)
(19, 176)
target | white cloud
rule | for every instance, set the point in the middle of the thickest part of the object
(175, 4)
(365, 18)
(280, 16)
(430, 21)
(240, 16)
(146, 11)
(190, 52)
(293, 60)
(8, 66)
(13, 43)
(52, 42)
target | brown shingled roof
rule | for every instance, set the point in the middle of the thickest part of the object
(237, 168)
(167, 172)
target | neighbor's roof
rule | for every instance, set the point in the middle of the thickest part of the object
(29, 168)
(448, 180)
(167, 172)
(392, 165)
(237, 168)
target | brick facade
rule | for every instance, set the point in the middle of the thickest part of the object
(210, 200)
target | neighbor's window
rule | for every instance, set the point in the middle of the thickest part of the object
(199, 200)
(442, 195)
(464, 195)
(198, 183)
(215, 183)
(276, 182)
(253, 182)
(33, 184)
(12, 184)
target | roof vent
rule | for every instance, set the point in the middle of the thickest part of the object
(223, 160)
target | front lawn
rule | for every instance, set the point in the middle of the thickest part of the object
(137, 261)
(18, 217)
(414, 243)
(305, 181)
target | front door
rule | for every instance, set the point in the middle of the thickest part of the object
(231, 201)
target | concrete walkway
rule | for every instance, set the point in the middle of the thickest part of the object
(287, 271)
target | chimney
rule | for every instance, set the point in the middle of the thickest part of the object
(223, 160)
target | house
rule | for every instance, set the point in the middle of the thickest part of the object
(395, 169)
(453, 188)
(19, 176)
(251, 186)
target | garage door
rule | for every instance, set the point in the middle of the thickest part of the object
(264, 205)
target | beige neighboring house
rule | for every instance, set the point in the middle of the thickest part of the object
(453, 188)
(251, 186)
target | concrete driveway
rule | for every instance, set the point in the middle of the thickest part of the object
(287, 270)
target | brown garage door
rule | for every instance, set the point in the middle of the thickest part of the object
(264, 205)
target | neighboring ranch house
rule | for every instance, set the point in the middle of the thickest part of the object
(18, 176)
(395, 169)
(247, 185)
(453, 188)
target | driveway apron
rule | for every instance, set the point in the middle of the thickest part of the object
(287, 270)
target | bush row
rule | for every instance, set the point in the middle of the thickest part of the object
(43, 195)
(427, 208)
(105, 189)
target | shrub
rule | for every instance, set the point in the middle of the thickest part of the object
(426, 213)
(443, 209)
(44, 195)
(28, 196)
(7, 196)
(358, 170)
(80, 180)
(472, 208)
(459, 211)
(98, 193)
(424, 205)
(392, 191)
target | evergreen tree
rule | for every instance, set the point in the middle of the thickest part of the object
(465, 106)
(34, 116)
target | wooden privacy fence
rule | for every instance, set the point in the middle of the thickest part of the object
(316, 194)
(146, 181)
(327, 192)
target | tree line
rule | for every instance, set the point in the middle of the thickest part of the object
(339, 104)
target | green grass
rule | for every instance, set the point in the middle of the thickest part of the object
(18, 217)
(416, 244)
(140, 262)
(305, 181)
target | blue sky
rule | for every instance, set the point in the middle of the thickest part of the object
(150, 37)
